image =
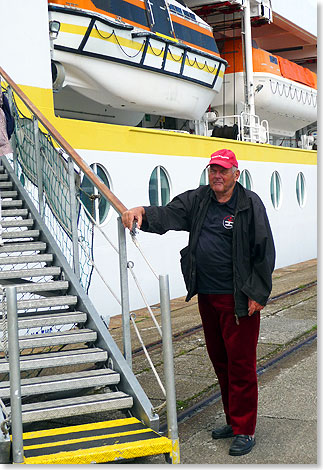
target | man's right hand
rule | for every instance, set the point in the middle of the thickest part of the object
(133, 215)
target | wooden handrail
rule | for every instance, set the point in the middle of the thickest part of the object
(104, 190)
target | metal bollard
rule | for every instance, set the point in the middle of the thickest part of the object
(14, 368)
(169, 367)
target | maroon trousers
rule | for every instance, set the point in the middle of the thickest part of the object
(232, 350)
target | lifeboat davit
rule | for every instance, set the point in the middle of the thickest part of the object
(285, 92)
(133, 56)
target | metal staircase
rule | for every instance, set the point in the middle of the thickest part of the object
(72, 372)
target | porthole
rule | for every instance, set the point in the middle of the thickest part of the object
(245, 179)
(301, 189)
(159, 187)
(276, 190)
(96, 204)
(204, 177)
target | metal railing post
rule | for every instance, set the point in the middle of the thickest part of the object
(124, 293)
(169, 367)
(14, 368)
(72, 193)
(39, 167)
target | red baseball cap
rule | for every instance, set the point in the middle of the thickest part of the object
(224, 157)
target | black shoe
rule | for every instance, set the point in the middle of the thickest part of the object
(242, 444)
(223, 432)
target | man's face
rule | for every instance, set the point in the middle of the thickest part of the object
(222, 180)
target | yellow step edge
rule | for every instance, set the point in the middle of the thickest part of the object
(81, 427)
(101, 442)
(84, 439)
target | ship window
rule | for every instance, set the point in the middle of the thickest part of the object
(245, 179)
(172, 7)
(204, 177)
(275, 190)
(159, 187)
(273, 59)
(96, 204)
(189, 15)
(179, 10)
(301, 189)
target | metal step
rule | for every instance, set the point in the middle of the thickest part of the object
(56, 338)
(45, 258)
(58, 359)
(13, 203)
(14, 213)
(3, 176)
(21, 234)
(58, 383)
(75, 406)
(17, 223)
(35, 272)
(106, 441)
(8, 194)
(47, 302)
(22, 246)
(52, 319)
(42, 288)
(5, 184)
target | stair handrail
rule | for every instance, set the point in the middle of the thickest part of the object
(87, 170)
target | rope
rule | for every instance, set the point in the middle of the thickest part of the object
(155, 53)
(136, 243)
(118, 42)
(176, 60)
(133, 317)
(291, 91)
(99, 273)
(130, 265)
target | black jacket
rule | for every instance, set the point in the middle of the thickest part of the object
(253, 250)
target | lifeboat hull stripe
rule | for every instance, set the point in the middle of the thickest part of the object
(190, 25)
(138, 46)
(98, 34)
(138, 65)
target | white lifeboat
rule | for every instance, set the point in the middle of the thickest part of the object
(285, 93)
(125, 59)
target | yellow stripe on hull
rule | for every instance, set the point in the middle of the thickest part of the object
(113, 138)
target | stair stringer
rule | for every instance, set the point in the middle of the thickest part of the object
(142, 407)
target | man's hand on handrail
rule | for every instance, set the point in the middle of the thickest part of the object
(137, 214)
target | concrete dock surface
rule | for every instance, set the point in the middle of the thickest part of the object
(286, 430)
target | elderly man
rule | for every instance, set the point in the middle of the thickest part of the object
(228, 263)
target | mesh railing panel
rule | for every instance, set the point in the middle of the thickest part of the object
(56, 191)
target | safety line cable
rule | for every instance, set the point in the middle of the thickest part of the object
(133, 318)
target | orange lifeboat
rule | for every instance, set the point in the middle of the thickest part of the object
(133, 57)
(285, 92)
